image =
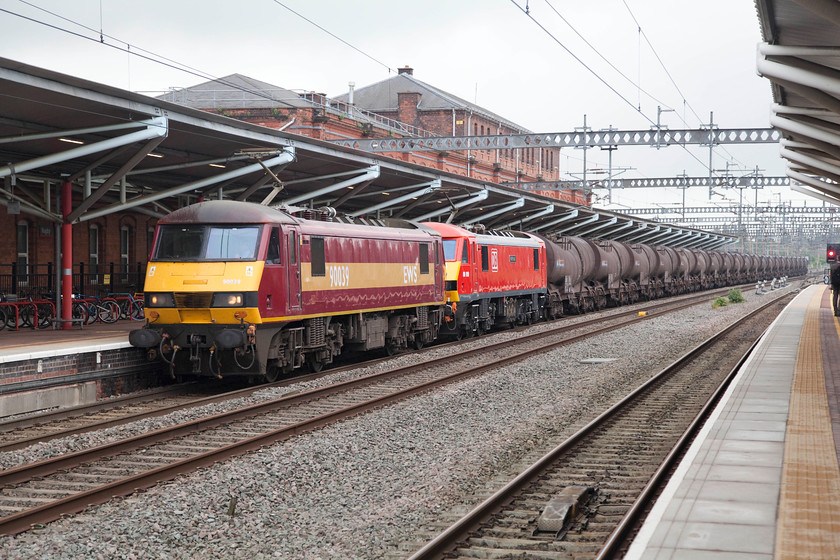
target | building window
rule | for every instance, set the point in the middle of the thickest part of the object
(125, 244)
(93, 251)
(23, 252)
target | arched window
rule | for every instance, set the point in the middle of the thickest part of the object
(23, 252)
(125, 245)
(93, 251)
(125, 251)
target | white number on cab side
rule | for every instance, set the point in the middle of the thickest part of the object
(339, 276)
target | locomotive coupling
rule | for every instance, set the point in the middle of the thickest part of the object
(449, 312)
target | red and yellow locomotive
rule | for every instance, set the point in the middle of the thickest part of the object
(241, 288)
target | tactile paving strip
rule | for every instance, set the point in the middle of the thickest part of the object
(809, 509)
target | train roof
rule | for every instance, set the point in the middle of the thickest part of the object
(228, 212)
(510, 238)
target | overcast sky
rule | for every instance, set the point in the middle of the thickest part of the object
(487, 51)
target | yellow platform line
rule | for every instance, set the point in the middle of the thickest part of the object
(808, 524)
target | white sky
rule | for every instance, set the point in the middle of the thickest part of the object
(487, 51)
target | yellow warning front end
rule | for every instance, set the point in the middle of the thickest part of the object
(203, 292)
(453, 269)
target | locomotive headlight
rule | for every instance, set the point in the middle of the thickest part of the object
(160, 300)
(228, 299)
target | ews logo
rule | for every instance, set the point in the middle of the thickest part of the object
(831, 253)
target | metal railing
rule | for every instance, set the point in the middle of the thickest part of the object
(37, 279)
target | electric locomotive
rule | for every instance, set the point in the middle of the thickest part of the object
(241, 288)
(491, 279)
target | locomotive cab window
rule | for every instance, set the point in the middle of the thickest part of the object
(273, 254)
(536, 259)
(465, 255)
(449, 248)
(319, 264)
(485, 258)
(213, 243)
(424, 258)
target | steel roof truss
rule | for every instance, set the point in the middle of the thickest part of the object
(609, 234)
(599, 227)
(544, 212)
(473, 198)
(27, 206)
(654, 238)
(116, 176)
(564, 218)
(427, 188)
(668, 241)
(583, 222)
(153, 128)
(74, 132)
(639, 236)
(517, 203)
(367, 174)
(286, 156)
(351, 193)
(683, 240)
(412, 205)
(711, 242)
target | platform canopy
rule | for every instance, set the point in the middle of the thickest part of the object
(800, 56)
(125, 151)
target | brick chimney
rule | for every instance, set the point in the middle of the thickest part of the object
(407, 103)
(406, 70)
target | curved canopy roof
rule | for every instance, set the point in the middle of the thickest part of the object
(126, 151)
(801, 58)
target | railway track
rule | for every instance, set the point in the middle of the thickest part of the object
(40, 492)
(20, 433)
(582, 498)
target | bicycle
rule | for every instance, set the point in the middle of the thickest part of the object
(79, 310)
(106, 310)
(130, 305)
(29, 312)
(4, 317)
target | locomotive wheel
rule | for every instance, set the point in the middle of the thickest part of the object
(315, 365)
(418, 343)
(272, 374)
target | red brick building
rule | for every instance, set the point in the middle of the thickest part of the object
(407, 100)
(399, 106)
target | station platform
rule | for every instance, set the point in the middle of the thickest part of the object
(43, 368)
(761, 480)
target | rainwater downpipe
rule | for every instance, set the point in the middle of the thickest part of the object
(288, 124)
(469, 152)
